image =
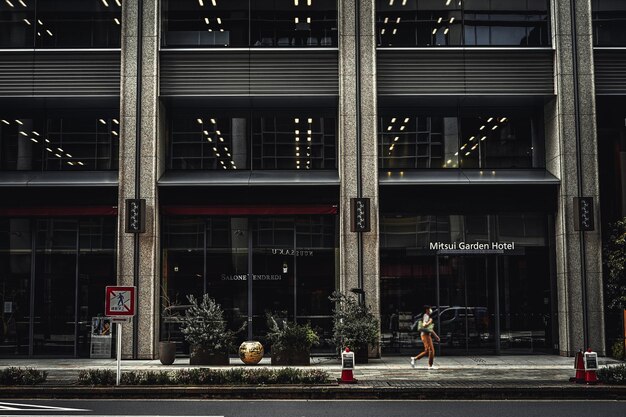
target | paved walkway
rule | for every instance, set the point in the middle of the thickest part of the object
(387, 371)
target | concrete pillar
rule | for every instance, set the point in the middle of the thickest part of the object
(151, 166)
(348, 108)
(562, 161)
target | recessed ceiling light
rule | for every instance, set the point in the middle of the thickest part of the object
(9, 3)
(116, 121)
(5, 122)
(105, 3)
(102, 121)
(80, 163)
(199, 121)
(117, 20)
(213, 121)
(35, 133)
(27, 22)
(23, 133)
(34, 140)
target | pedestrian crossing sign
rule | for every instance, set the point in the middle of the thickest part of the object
(120, 301)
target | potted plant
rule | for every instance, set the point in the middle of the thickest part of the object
(291, 342)
(203, 326)
(615, 281)
(167, 348)
(354, 326)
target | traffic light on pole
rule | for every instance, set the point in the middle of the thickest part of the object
(135, 216)
(584, 214)
(360, 214)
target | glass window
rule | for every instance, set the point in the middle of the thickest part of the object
(249, 23)
(469, 287)
(460, 138)
(291, 262)
(291, 140)
(208, 23)
(470, 22)
(293, 23)
(15, 273)
(16, 24)
(60, 23)
(63, 140)
(609, 18)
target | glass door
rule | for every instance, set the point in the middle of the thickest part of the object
(54, 319)
(273, 272)
(466, 311)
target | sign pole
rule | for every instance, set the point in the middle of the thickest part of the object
(119, 354)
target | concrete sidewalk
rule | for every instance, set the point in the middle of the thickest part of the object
(454, 378)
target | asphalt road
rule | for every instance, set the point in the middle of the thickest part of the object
(298, 408)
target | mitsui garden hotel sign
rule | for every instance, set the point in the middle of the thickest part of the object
(462, 247)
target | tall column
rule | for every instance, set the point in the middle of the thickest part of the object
(350, 103)
(575, 257)
(147, 112)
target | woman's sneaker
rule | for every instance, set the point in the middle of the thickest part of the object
(412, 362)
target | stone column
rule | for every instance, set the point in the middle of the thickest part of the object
(151, 165)
(348, 108)
(562, 161)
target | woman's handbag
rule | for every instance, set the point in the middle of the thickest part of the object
(427, 329)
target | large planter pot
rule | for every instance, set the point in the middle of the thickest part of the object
(167, 352)
(251, 352)
(291, 358)
(201, 356)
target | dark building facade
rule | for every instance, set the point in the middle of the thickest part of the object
(247, 126)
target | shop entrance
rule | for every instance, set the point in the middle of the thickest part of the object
(467, 309)
(496, 298)
(254, 266)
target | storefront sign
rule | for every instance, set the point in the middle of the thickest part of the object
(292, 252)
(255, 277)
(472, 247)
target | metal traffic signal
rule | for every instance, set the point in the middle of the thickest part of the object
(584, 214)
(135, 215)
(360, 214)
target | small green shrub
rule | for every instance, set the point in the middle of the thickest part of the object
(613, 375)
(22, 376)
(617, 350)
(96, 377)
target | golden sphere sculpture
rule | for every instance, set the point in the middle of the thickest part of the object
(251, 352)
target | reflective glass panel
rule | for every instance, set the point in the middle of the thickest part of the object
(609, 19)
(461, 138)
(15, 285)
(60, 140)
(470, 22)
(293, 23)
(60, 23)
(271, 140)
(207, 23)
(249, 23)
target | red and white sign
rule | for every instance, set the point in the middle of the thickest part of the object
(120, 302)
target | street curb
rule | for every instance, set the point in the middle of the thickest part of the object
(322, 392)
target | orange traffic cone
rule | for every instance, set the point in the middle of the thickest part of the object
(579, 365)
(347, 365)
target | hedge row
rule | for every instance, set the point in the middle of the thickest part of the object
(613, 375)
(22, 376)
(205, 376)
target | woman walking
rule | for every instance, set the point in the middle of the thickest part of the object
(427, 333)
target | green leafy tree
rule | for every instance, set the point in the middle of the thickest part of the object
(354, 324)
(204, 326)
(615, 262)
